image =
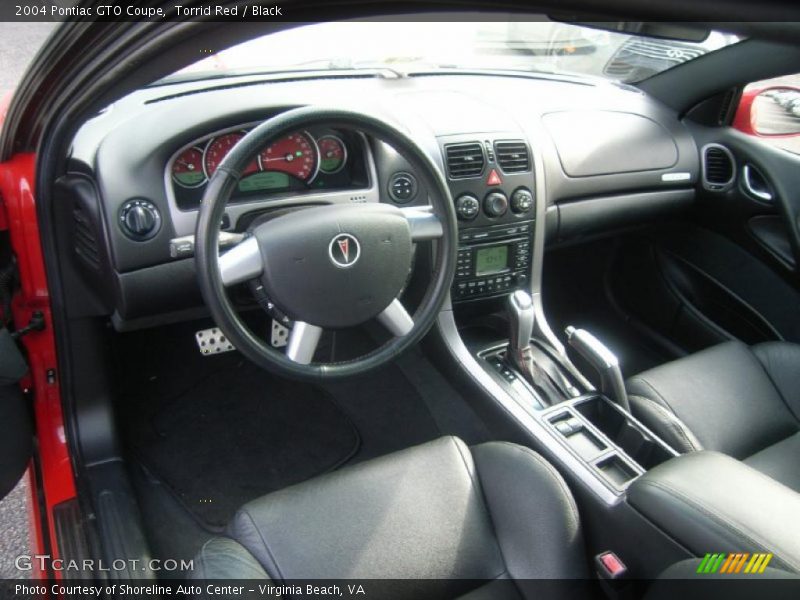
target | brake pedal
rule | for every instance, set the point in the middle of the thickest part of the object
(280, 335)
(212, 341)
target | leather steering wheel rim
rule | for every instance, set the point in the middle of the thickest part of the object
(222, 185)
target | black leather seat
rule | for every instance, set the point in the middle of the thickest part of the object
(438, 514)
(739, 400)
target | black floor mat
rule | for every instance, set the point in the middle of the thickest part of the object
(219, 429)
(240, 434)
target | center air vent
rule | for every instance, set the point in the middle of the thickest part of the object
(512, 156)
(719, 168)
(464, 160)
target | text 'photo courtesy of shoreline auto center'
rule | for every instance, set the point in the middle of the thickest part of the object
(399, 299)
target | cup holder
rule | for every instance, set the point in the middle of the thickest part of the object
(643, 447)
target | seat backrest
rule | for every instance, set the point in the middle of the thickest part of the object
(425, 514)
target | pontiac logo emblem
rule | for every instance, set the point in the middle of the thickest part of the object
(344, 250)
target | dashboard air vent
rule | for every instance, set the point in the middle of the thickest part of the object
(464, 160)
(719, 168)
(512, 156)
(85, 241)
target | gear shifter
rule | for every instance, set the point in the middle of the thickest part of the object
(521, 317)
(601, 358)
(523, 356)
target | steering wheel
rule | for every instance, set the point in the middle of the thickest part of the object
(330, 266)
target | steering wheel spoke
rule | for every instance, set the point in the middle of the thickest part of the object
(424, 224)
(241, 263)
(303, 341)
(396, 319)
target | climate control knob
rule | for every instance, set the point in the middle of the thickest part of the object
(495, 204)
(139, 219)
(521, 200)
(467, 207)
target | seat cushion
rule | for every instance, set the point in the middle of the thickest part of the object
(436, 513)
(730, 398)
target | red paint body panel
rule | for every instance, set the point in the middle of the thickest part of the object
(19, 207)
(743, 120)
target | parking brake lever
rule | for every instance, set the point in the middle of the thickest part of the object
(601, 358)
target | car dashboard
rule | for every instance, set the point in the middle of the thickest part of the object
(527, 160)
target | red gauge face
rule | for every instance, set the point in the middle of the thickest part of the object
(187, 170)
(295, 154)
(218, 148)
(332, 154)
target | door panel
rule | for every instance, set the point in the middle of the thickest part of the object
(731, 273)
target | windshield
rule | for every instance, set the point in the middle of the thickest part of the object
(530, 46)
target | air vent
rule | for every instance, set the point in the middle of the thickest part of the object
(464, 160)
(85, 241)
(513, 156)
(719, 168)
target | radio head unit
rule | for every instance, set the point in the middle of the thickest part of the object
(492, 261)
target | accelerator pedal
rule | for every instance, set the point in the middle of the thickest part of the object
(280, 334)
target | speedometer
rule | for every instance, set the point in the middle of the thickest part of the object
(218, 148)
(296, 154)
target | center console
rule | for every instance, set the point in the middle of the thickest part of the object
(498, 196)
(504, 352)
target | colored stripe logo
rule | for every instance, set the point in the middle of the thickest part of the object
(738, 562)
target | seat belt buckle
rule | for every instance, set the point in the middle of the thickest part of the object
(610, 567)
(613, 576)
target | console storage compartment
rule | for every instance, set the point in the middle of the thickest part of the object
(600, 433)
(710, 502)
(647, 450)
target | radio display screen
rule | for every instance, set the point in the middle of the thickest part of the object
(491, 260)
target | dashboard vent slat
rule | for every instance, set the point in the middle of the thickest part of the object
(513, 156)
(719, 169)
(464, 160)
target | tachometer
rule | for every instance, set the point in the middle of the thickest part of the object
(218, 148)
(187, 170)
(295, 154)
(332, 154)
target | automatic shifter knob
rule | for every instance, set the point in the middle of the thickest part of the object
(521, 317)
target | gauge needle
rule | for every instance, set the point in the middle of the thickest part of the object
(287, 158)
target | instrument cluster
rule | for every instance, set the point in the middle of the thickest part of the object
(320, 160)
